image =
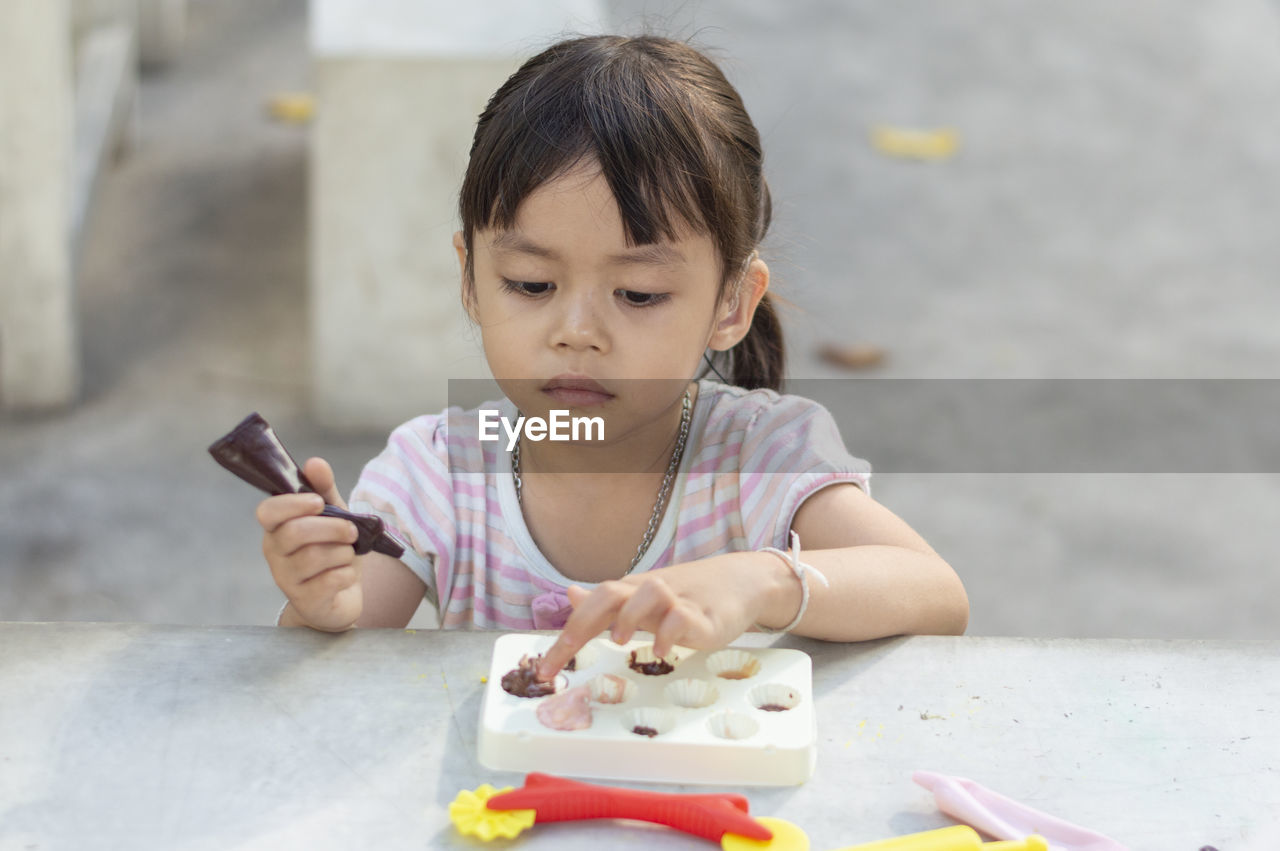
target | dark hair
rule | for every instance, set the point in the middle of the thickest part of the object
(672, 139)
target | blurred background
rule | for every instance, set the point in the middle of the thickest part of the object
(210, 207)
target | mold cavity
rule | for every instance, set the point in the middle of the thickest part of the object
(649, 721)
(692, 694)
(643, 661)
(586, 656)
(774, 697)
(733, 664)
(610, 688)
(522, 682)
(732, 725)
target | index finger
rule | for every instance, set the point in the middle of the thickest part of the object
(590, 617)
(275, 511)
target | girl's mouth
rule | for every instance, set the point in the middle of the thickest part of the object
(576, 391)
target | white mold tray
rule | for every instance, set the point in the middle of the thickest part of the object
(719, 735)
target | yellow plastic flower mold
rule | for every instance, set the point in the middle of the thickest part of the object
(471, 815)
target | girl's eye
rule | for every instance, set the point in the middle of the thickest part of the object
(639, 299)
(529, 288)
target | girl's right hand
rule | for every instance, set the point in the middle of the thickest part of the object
(312, 558)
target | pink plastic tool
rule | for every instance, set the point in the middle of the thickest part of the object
(1005, 818)
(557, 799)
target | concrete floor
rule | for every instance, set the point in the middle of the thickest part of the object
(1110, 214)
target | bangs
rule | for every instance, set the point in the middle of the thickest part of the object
(608, 107)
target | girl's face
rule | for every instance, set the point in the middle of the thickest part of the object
(562, 300)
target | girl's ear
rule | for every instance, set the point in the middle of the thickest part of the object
(460, 246)
(736, 314)
(468, 287)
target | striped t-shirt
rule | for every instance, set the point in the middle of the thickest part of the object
(751, 459)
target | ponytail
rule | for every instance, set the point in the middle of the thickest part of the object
(759, 359)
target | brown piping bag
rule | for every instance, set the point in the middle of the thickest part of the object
(252, 451)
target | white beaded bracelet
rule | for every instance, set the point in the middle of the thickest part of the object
(802, 571)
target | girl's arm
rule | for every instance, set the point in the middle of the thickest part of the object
(329, 587)
(883, 580)
(390, 594)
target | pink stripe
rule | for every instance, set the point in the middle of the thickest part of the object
(512, 569)
(475, 490)
(471, 517)
(413, 458)
(420, 522)
(780, 418)
(461, 588)
(766, 501)
(400, 440)
(507, 582)
(394, 489)
(504, 563)
(463, 483)
(717, 444)
(777, 442)
(435, 480)
(499, 540)
(710, 465)
(478, 544)
(706, 519)
(506, 569)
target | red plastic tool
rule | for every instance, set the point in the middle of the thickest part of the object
(557, 799)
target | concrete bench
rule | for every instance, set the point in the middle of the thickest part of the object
(399, 87)
(66, 96)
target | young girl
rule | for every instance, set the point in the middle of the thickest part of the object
(611, 214)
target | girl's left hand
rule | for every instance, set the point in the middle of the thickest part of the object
(703, 604)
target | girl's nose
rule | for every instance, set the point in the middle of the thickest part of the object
(580, 326)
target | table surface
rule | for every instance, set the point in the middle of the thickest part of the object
(142, 736)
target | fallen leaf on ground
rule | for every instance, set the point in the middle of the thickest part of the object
(913, 144)
(292, 107)
(853, 356)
